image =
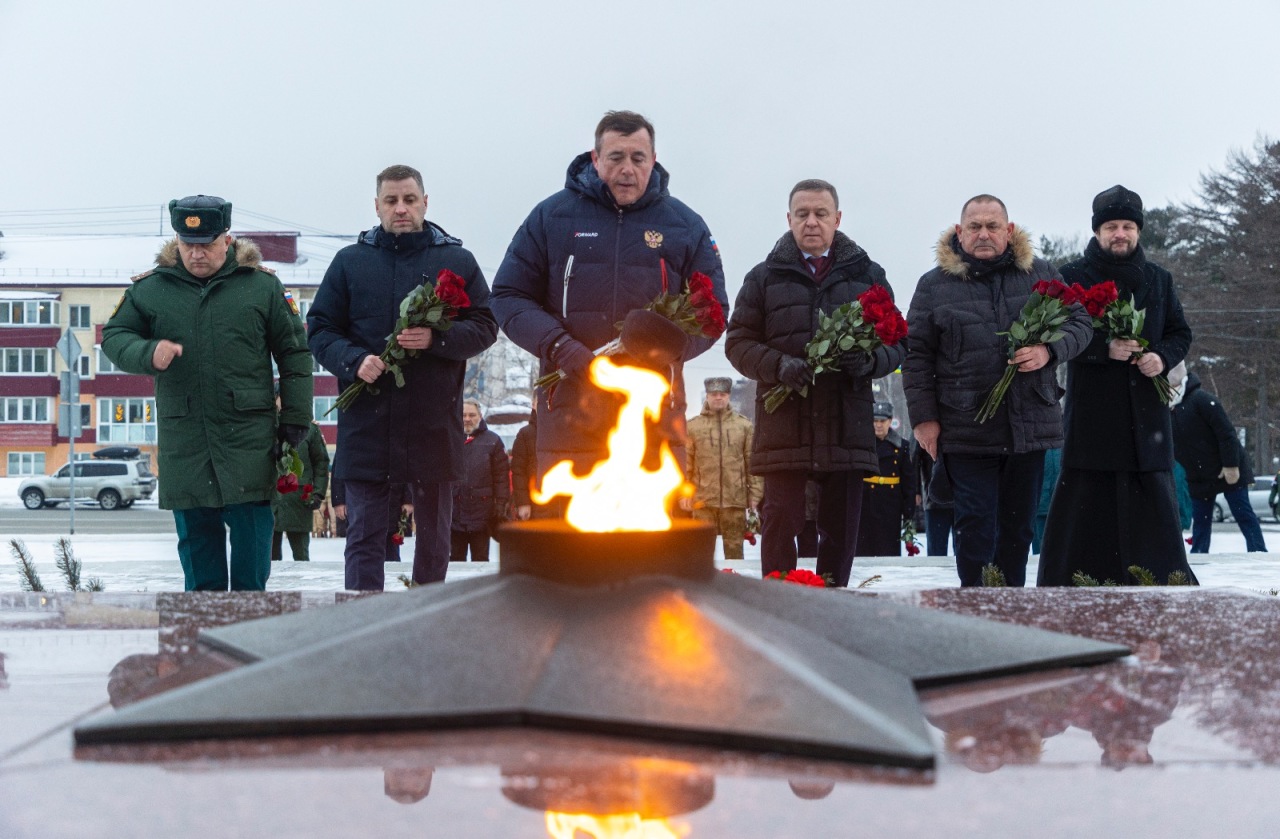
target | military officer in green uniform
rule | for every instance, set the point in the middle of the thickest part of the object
(293, 510)
(207, 322)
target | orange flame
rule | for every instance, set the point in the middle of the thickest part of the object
(619, 493)
(616, 826)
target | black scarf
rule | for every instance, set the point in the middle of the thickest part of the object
(979, 268)
(1125, 271)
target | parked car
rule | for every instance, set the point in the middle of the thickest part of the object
(114, 484)
(1262, 497)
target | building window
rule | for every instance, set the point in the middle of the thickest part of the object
(84, 366)
(28, 312)
(86, 415)
(24, 360)
(126, 420)
(24, 409)
(317, 370)
(104, 363)
(78, 317)
(319, 405)
(25, 463)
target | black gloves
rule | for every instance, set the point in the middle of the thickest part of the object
(316, 502)
(571, 356)
(857, 365)
(293, 434)
(795, 373)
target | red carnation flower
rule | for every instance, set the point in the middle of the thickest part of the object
(287, 484)
(1052, 288)
(451, 290)
(912, 549)
(397, 538)
(804, 577)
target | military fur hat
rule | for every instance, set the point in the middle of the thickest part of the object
(882, 410)
(199, 219)
(1117, 203)
(718, 384)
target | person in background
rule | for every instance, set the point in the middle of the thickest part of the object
(889, 498)
(524, 471)
(293, 511)
(1206, 445)
(935, 496)
(207, 323)
(1052, 469)
(719, 467)
(480, 499)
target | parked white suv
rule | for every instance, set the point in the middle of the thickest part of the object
(114, 484)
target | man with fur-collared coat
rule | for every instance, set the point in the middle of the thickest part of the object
(207, 322)
(956, 354)
(826, 435)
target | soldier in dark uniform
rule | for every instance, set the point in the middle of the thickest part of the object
(890, 497)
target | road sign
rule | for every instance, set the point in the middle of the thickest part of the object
(69, 421)
(69, 348)
(69, 385)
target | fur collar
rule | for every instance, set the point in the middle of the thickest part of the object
(951, 263)
(247, 254)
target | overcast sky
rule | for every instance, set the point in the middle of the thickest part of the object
(289, 109)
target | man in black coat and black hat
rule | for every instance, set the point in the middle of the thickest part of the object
(1205, 443)
(1115, 506)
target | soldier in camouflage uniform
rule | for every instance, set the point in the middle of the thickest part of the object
(719, 454)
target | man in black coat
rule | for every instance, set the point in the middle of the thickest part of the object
(1115, 505)
(1205, 443)
(825, 436)
(410, 434)
(480, 499)
(956, 354)
(888, 499)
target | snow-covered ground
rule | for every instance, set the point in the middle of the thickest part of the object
(148, 562)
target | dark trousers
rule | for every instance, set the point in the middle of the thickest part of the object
(1241, 510)
(782, 520)
(460, 541)
(996, 498)
(368, 531)
(202, 546)
(937, 529)
(299, 545)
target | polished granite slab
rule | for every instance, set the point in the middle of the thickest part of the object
(1180, 739)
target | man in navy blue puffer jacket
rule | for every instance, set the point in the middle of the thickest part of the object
(608, 243)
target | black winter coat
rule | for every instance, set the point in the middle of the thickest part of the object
(481, 497)
(774, 317)
(1114, 418)
(1205, 441)
(576, 267)
(955, 356)
(886, 506)
(524, 463)
(413, 433)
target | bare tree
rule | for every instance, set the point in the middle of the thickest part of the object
(1224, 250)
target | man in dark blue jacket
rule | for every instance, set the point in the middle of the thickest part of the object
(608, 243)
(398, 435)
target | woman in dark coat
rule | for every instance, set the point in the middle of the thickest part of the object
(1115, 506)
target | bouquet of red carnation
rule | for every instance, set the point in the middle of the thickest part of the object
(1040, 322)
(801, 577)
(753, 525)
(434, 307)
(1121, 321)
(289, 471)
(908, 536)
(402, 530)
(695, 310)
(868, 323)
